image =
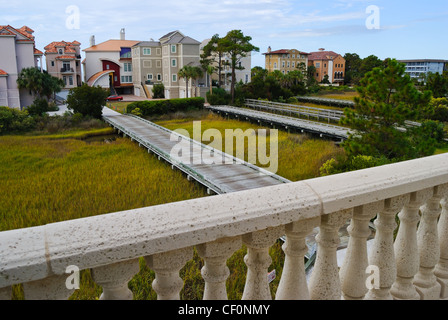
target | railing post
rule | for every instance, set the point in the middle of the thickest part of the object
(441, 270)
(353, 271)
(325, 283)
(382, 252)
(406, 247)
(51, 288)
(215, 271)
(166, 266)
(293, 284)
(258, 261)
(428, 241)
(114, 278)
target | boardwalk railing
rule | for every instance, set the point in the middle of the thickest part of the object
(294, 109)
(414, 265)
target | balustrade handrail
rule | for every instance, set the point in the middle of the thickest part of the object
(39, 252)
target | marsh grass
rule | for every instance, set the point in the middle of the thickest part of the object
(55, 177)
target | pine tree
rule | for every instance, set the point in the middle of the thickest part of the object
(387, 99)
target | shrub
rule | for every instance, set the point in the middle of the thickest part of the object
(158, 91)
(39, 107)
(219, 96)
(87, 100)
(13, 120)
(150, 107)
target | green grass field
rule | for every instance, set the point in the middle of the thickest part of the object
(54, 177)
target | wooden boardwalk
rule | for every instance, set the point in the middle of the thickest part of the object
(223, 174)
(321, 129)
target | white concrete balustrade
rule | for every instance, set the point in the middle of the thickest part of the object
(410, 257)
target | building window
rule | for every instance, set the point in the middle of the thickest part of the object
(149, 76)
(52, 63)
(159, 77)
(159, 63)
(174, 77)
(173, 62)
(173, 48)
(126, 79)
(66, 65)
(127, 67)
(317, 64)
(70, 80)
(247, 78)
(147, 51)
(60, 51)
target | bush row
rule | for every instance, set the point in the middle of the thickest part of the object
(157, 107)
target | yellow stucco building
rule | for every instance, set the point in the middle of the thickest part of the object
(285, 60)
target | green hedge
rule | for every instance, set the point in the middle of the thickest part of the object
(153, 107)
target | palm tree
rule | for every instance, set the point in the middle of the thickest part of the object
(196, 73)
(210, 70)
(186, 72)
(39, 83)
(30, 79)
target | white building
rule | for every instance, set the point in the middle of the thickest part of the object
(109, 64)
(17, 51)
(418, 68)
(243, 74)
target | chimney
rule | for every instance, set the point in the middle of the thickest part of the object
(322, 49)
(122, 34)
(92, 41)
(269, 49)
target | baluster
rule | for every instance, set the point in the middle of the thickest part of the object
(258, 261)
(6, 293)
(215, 271)
(382, 253)
(51, 288)
(325, 283)
(428, 245)
(293, 284)
(441, 270)
(166, 266)
(406, 247)
(353, 271)
(114, 278)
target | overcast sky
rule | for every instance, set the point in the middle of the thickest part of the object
(402, 29)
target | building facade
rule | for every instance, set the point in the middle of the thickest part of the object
(17, 51)
(160, 62)
(328, 63)
(285, 60)
(419, 68)
(63, 61)
(109, 64)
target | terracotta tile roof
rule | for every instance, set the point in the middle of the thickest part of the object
(3, 73)
(65, 57)
(37, 52)
(97, 75)
(284, 51)
(323, 55)
(112, 45)
(68, 46)
(281, 51)
(24, 31)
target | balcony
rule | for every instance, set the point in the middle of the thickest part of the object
(67, 70)
(409, 264)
